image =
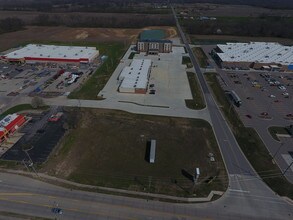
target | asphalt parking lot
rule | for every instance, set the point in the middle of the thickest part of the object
(40, 78)
(40, 137)
(260, 97)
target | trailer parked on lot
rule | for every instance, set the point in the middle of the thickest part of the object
(152, 151)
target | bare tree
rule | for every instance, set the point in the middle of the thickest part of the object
(37, 102)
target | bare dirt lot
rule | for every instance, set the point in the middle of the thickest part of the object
(109, 148)
(67, 34)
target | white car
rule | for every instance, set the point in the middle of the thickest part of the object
(285, 93)
(272, 96)
(283, 88)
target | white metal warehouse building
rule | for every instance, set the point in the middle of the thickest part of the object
(255, 54)
(52, 53)
(135, 78)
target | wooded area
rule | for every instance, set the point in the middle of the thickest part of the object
(254, 27)
(10, 24)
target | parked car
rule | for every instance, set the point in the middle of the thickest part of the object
(272, 96)
(283, 88)
(57, 211)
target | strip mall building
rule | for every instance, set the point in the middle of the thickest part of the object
(9, 125)
(52, 53)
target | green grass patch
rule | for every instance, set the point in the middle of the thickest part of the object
(17, 108)
(251, 144)
(197, 102)
(131, 55)
(201, 57)
(21, 107)
(186, 61)
(278, 130)
(8, 164)
(98, 80)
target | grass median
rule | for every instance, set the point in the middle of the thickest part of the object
(274, 131)
(251, 144)
(197, 102)
(91, 88)
(201, 57)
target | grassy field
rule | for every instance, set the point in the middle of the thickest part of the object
(251, 144)
(109, 148)
(202, 58)
(98, 80)
(197, 102)
(278, 130)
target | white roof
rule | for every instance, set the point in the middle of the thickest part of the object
(260, 52)
(7, 120)
(136, 75)
(53, 51)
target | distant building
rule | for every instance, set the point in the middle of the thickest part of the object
(52, 53)
(256, 55)
(154, 46)
(152, 42)
(135, 78)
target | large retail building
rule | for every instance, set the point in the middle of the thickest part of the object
(52, 53)
(256, 55)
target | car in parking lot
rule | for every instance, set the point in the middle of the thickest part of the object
(57, 211)
(283, 88)
(264, 114)
(152, 92)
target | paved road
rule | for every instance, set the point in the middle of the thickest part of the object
(236, 163)
(261, 125)
(32, 197)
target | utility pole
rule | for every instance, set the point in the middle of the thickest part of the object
(32, 163)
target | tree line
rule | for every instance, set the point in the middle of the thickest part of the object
(11, 24)
(254, 27)
(103, 20)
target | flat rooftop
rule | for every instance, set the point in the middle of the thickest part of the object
(259, 52)
(136, 75)
(53, 52)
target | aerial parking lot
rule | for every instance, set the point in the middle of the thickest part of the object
(265, 95)
(42, 78)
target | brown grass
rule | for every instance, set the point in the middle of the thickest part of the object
(67, 34)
